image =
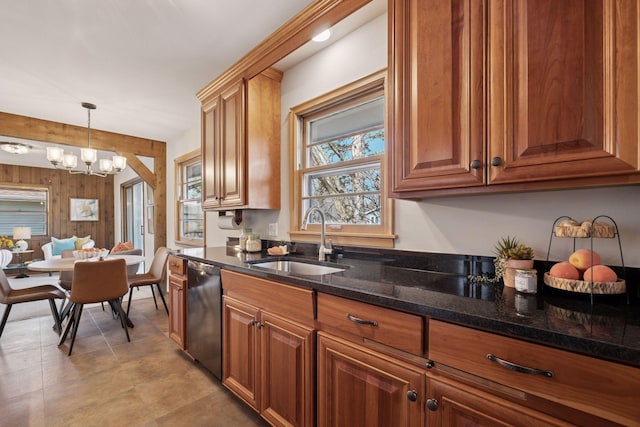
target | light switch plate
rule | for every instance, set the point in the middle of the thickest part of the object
(273, 229)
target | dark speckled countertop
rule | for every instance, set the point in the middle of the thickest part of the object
(436, 285)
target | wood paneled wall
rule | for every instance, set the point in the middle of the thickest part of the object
(63, 186)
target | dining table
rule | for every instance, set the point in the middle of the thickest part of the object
(67, 264)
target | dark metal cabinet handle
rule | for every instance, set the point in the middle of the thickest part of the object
(412, 395)
(260, 325)
(253, 323)
(519, 368)
(432, 404)
(476, 164)
(496, 161)
(361, 321)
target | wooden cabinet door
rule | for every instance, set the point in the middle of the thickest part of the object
(436, 124)
(177, 310)
(359, 387)
(240, 363)
(288, 371)
(562, 90)
(232, 152)
(452, 403)
(209, 149)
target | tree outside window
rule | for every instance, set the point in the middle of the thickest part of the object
(339, 164)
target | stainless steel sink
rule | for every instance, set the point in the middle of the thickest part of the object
(298, 267)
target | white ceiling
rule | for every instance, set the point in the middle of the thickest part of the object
(141, 62)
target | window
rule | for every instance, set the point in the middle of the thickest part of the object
(23, 207)
(339, 142)
(190, 217)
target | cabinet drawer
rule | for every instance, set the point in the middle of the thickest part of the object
(290, 301)
(177, 265)
(591, 385)
(390, 327)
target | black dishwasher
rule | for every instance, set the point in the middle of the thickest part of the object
(204, 315)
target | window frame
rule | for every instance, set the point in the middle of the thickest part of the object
(47, 191)
(180, 164)
(381, 235)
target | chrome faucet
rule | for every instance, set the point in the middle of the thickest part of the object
(323, 250)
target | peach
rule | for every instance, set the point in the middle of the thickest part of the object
(564, 270)
(582, 259)
(600, 273)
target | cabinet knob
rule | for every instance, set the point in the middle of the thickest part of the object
(496, 161)
(432, 404)
(412, 395)
(476, 164)
(253, 323)
(260, 325)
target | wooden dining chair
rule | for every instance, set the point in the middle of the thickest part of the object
(156, 275)
(10, 296)
(94, 282)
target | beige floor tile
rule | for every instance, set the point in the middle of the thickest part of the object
(108, 381)
(23, 410)
(21, 381)
(19, 360)
(65, 369)
(217, 409)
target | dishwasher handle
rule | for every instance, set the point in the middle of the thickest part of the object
(203, 268)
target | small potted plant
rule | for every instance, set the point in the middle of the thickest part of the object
(512, 255)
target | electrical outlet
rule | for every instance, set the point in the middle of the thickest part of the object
(273, 229)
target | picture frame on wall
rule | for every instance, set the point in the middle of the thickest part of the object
(84, 209)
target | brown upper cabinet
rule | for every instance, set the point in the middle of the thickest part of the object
(502, 95)
(240, 115)
(241, 144)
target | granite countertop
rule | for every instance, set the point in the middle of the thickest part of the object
(437, 286)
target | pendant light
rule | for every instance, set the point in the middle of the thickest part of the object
(88, 155)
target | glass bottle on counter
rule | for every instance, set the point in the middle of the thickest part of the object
(254, 244)
(242, 240)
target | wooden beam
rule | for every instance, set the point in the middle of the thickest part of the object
(134, 163)
(59, 133)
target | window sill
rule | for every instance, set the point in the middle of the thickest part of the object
(347, 239)
(190, 243)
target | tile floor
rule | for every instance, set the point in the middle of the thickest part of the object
(108, 381)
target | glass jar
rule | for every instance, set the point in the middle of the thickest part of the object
(242, 240)
(254, 244)
(526, 281)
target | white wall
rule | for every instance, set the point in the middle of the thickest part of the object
(464, 224)
(187, 142)
(127, 175)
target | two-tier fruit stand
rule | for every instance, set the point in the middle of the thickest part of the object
(601, 226)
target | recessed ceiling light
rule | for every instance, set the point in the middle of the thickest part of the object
(323, 36)
(15, 147)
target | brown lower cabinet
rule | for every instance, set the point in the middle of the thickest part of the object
(361, 387)
(500, 380)
(268, 358)
(453, 403)
(178, 300)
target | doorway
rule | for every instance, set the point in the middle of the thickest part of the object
(133, 213)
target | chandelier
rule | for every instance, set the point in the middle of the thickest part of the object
(89, 156)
